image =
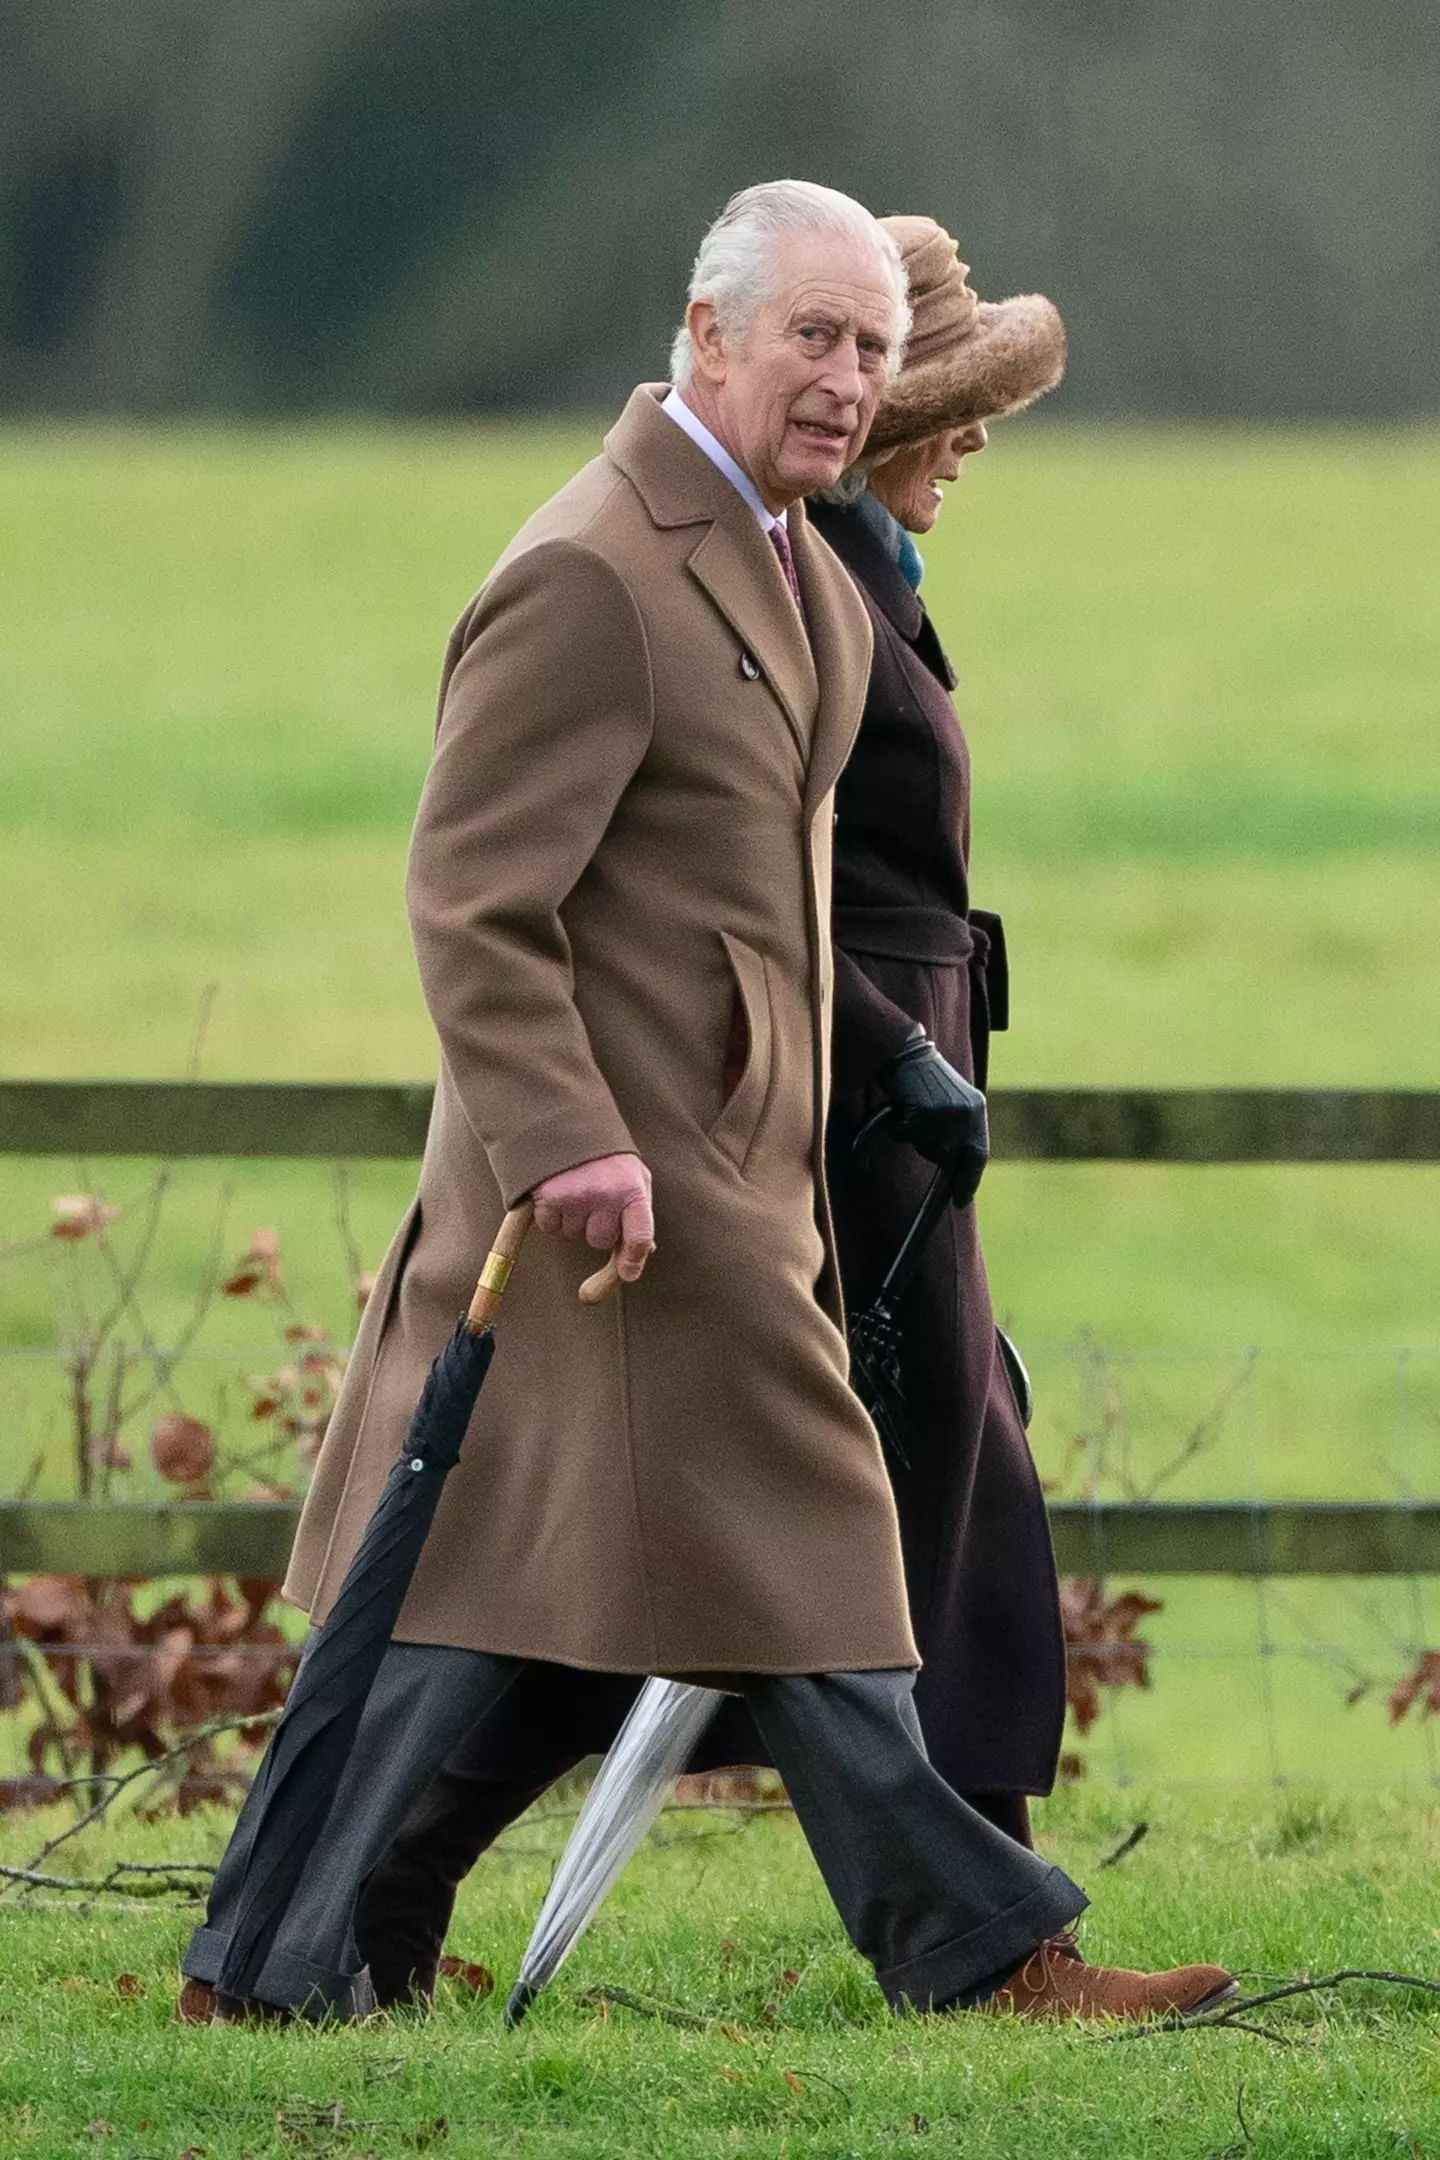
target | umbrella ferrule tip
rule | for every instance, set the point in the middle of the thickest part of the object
(521, 1997)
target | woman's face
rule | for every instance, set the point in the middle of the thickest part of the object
(909, 481)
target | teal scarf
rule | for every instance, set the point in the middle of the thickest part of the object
(893, 537)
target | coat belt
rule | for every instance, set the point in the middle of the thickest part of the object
(932, 937)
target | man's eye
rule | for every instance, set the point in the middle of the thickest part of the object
(812, 333)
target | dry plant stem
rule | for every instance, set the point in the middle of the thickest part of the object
(818, 2077)
(1201, 1436)
(163, 1362)
(340, 1184)
(40, 1681)
(128, 1278)
(32, 1476)
(149, 1769)
(1234, 2014)
(1313, 1987)
(621, 1999)
(177, 1879)
(1126, 1845)
(204, 1013)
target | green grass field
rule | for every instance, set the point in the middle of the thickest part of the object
(791, 2051)
(1199, 677)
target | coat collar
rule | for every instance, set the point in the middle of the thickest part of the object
(886, 584)
(732, 558)
(861, 551)
(841, 637)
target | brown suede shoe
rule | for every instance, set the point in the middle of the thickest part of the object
(1056, 1982)
(196, 2004)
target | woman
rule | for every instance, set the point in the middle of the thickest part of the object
(911, 956)
(912, 962)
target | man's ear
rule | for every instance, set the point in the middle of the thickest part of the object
(707, 344)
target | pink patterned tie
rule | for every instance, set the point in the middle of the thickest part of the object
(780, 541)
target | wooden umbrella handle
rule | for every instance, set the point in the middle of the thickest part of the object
(495, 1274)
(597, 1287)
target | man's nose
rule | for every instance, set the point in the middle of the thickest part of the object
(843, 376)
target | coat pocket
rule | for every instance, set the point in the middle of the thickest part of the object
(735, 1130)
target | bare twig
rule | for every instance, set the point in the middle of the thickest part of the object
(149, 1769)
(340, 1184)
(1126, 1845)
(175, 1878)
(1233, 2015)
(164, 1362)
(622, 1999)
(32, 1477)
(204, 1010)
(1191, 2024)
(818, 2077)
(1313, 1987)
(1204, 1433)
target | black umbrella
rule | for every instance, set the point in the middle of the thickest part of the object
(874, 1334)
(311, 1744)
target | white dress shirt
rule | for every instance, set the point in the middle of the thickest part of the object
(720, 458)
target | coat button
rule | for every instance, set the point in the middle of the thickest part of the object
(749, 667)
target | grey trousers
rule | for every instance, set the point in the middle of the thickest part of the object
(935, 1897)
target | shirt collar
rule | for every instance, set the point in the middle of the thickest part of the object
(721, 459)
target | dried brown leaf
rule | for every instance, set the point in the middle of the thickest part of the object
(80, 1215)
(129, 1984)
(1421, 1686)
(182, 1449)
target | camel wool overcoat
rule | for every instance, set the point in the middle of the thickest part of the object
(621, 865)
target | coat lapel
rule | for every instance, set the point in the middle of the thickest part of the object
(740, 571)
(732, 561)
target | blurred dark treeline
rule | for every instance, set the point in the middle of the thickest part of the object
(441, 205)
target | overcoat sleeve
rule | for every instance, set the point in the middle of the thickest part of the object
(545, 715)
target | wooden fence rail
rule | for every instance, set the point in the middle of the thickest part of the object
(278, 1119)
(1121, 1537)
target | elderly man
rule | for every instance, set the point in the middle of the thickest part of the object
(619, 889)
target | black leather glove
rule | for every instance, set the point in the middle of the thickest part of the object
(940, 1114)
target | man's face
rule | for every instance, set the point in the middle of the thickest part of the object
(792, 401)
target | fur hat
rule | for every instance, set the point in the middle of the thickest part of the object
(966, 358)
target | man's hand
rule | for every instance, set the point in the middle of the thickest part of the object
(607, 1202)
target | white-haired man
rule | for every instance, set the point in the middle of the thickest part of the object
(619, 895)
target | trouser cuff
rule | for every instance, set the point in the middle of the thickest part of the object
(932, 1981)
(285, 1982)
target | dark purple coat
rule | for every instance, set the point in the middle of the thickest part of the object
(978, 1560)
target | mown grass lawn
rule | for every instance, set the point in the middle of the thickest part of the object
(793, 2052)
